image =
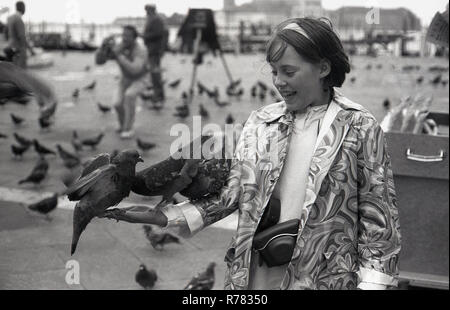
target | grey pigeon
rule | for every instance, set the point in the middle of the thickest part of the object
(204, 280)
(146, 278)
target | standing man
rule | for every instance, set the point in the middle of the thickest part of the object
(155, 40)
(16, 35)
(131, 56)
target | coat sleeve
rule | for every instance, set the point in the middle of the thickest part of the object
(378, 227)
(192, 216)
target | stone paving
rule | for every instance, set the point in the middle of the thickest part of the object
(34, 253)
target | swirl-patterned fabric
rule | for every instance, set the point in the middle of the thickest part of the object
(349, 228)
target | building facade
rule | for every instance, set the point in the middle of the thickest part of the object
(263, 13)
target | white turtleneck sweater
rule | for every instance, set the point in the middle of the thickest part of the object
(290, 188)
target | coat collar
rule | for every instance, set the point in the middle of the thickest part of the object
(277, 112)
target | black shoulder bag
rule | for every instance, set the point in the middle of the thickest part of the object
(275, 242)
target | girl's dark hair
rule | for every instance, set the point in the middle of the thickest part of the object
(324, 43)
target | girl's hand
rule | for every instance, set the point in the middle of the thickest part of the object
(136, 214)
(116, 214)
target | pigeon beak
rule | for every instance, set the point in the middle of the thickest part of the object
(140, 159)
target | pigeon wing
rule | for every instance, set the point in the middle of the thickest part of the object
(84, 184)
(95, 163)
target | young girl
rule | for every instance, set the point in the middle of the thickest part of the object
(315, 165)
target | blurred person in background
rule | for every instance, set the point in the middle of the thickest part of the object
(17, 37)
(155, 38)
(131, 56)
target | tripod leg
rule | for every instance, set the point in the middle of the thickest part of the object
(226, 67)
(194, 72)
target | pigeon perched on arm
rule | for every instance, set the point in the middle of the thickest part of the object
(168, 176)
(96, 162)
(104, 187)
(146, 278)
(191, 177)
(70, 177)
(204, 280)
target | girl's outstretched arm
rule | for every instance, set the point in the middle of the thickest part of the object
(137, 214)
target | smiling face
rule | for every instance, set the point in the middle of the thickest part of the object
(299, 81)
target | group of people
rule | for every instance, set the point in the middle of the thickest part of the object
(136, 62)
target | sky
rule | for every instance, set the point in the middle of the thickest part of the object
(105, 11)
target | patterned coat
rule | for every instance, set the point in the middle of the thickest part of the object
(349, 227)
